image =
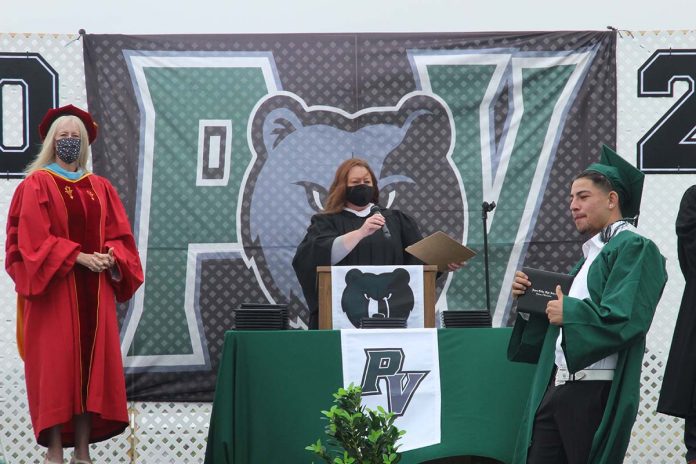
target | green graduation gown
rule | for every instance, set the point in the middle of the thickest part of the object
(625, 283)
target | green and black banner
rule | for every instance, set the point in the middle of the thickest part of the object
(223, 147)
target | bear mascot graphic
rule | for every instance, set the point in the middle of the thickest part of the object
(297, 149)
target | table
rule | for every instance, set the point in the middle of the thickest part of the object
(272, 386)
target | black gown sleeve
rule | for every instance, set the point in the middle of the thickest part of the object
(313, 251)
(686, 231)
(410, 234)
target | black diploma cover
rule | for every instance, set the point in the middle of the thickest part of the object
(542, 290)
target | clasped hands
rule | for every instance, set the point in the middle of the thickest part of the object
(97, 262)
(554, 308)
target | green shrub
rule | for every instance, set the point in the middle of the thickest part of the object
(357, 434)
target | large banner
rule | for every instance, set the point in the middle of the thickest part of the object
(223, 147)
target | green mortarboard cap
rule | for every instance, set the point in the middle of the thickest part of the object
(626, 180)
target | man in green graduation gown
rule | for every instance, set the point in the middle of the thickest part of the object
(589, 345)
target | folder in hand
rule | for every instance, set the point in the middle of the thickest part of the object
(543, 289)
(440, 249)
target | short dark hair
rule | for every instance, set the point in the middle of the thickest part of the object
(598, 179)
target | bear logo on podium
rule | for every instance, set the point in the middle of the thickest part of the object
(377, 295)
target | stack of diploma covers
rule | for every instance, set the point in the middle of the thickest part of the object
(465, 319)
(383, 323)
(260, 316)
(542, 291)
(440, 249)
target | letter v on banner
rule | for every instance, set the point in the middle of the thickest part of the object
(401, 388)
(531, 92)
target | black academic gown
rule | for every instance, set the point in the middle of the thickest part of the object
(376, 249)
(678, 395)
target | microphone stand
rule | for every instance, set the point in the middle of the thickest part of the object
(485, 209)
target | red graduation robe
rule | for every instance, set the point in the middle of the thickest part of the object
(72, 356)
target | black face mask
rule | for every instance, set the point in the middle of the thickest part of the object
(360, 195)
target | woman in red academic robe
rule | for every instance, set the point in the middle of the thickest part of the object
(71, 254)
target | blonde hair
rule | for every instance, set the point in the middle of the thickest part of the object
(47, 154)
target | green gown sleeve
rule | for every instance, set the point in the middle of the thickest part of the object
(625, 283)
(527, 338)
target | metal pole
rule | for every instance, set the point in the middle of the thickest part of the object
(485, 208)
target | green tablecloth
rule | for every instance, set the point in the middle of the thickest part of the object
(272, 386)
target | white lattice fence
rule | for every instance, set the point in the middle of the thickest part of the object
(171, 432)
(159, 432)
(656, 438)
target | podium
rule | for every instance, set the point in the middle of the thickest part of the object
(325, 307)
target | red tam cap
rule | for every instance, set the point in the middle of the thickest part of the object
(67, 110)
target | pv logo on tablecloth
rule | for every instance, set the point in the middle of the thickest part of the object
(398, 370)
(386, 364)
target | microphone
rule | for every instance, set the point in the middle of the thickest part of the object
(488, 207)
(376, 210)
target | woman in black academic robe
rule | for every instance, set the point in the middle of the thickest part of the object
(350, 231)
(678, 394)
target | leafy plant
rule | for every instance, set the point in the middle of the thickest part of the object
(357, 434)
